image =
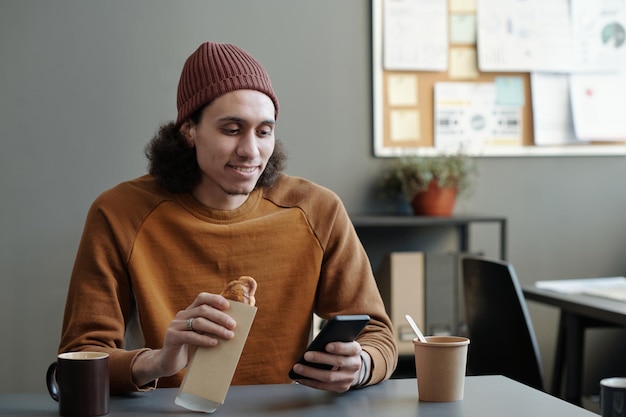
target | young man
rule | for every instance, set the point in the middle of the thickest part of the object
(156, 251)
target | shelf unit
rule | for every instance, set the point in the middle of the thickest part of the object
(461, 223)
(382, 234)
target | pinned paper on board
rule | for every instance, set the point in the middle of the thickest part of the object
(463, 28)
(402, 90)
(462, 6)
(404, 125)
(597, 106)
(467, 115)
(530, 35)
(412, 42)
(510, 91)
(463, 63)
(599, 35)
(552, 116)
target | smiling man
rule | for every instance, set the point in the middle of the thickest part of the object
(234, 140)
(157, 250)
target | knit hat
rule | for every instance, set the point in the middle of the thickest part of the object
(215, 69)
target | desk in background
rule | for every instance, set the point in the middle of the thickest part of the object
(485, 396)
(577, 312)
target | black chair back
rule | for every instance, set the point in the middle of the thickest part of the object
(502, 339)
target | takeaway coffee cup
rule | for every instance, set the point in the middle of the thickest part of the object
(79, 381)
(440, 367)
(613, 397)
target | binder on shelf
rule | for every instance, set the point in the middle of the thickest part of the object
(441, 293)
(401, 284)
(424, 285)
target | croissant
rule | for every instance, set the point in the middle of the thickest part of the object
(241, 290)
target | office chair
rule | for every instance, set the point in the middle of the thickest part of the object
(502, 339)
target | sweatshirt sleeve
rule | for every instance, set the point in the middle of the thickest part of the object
(347, 286)
(99, 300)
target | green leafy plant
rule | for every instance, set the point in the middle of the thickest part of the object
(410, 175)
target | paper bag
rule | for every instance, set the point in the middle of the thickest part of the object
(211, 370)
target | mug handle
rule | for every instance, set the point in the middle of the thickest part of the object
(51, 381)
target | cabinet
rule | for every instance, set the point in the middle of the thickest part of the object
(437, 304)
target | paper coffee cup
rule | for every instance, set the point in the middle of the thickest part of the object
(440, 367)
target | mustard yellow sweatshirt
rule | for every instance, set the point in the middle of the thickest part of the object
(146, 253)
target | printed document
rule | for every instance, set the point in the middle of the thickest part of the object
(609, 287)
(552, 117)
(598, 106)
(524, 36)
(468, 115)
(599, 33)
(415, 35)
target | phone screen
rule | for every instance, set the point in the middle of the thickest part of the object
(343, 328)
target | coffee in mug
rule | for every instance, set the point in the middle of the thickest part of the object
(613, 397)
(79, 381)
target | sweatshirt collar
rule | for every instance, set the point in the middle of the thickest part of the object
(189, 202)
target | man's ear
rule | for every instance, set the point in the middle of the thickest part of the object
(188, 130)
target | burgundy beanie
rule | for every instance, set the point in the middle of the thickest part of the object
(215, 69)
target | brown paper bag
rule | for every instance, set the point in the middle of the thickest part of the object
(211, 370)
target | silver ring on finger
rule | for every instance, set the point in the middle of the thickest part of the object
(190, 324)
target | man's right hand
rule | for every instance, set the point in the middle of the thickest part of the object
(208, 322)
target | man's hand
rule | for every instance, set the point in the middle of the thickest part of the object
(210, 324)
(345, 359)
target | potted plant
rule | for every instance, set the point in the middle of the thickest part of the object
(430, 184)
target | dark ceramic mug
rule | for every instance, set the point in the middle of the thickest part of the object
(79, 381)
(613, 397)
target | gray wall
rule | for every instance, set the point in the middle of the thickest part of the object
(85, 84)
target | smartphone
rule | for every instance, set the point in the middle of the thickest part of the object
(343, 328)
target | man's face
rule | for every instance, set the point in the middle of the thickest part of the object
(234, 139)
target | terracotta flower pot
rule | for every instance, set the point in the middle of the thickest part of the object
(434, 201)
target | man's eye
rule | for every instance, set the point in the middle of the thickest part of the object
(264, 132)
(231, 131)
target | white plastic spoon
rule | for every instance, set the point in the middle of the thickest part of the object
(416, 329)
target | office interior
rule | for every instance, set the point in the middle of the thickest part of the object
(85, 85)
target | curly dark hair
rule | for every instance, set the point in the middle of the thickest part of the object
(173, 163)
